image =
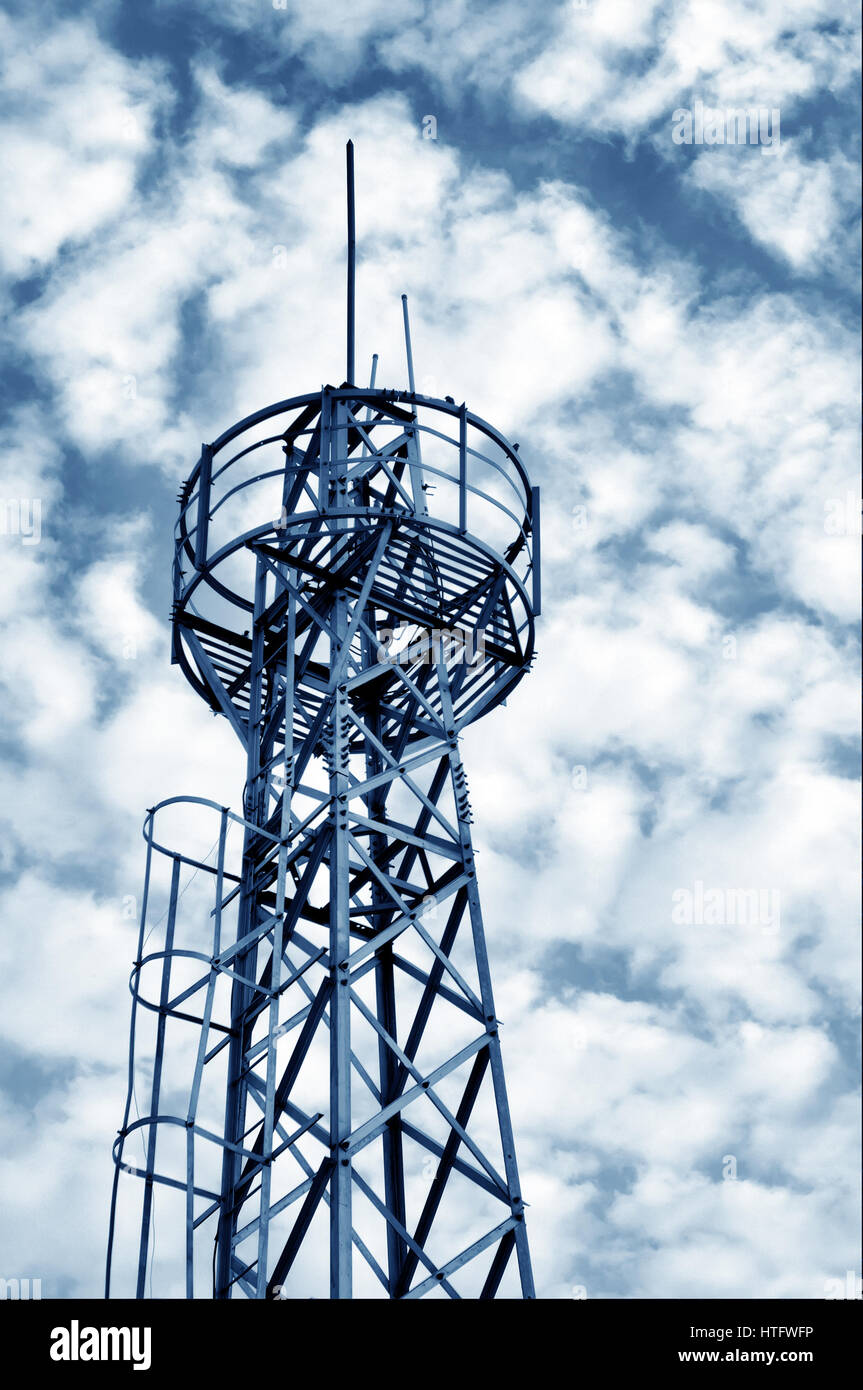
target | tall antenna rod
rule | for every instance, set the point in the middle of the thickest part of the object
(352, 261)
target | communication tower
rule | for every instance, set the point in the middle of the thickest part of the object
(316, 1102)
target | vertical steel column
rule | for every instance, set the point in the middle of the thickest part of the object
(334, 446)
(136, 977)
(459, 787)
(268, 1133)
(340, 946)
(536, 558)
(462, 468)
(202, 523)
(157, 1080)
(385, 999)
(241, 994)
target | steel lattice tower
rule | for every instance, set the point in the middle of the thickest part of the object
(314, 1039)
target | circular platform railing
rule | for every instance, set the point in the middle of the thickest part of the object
(321, 474)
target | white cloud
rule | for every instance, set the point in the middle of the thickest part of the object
(74, 941)
(613, 68)
(793, 205)
(111, 614)
(672, 1109)
(78, 121)
(625, 70)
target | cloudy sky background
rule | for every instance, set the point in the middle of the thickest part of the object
(669, 331)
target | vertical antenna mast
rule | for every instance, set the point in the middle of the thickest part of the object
(352, 260)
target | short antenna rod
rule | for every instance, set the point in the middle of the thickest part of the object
(352, 261)
(374, 373)
(416, 462)
(410, 356)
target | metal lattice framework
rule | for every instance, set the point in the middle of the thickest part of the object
(315, 1046)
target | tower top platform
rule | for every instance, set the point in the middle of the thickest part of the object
(417, 498)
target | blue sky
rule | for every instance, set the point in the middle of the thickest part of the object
(669, 331)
